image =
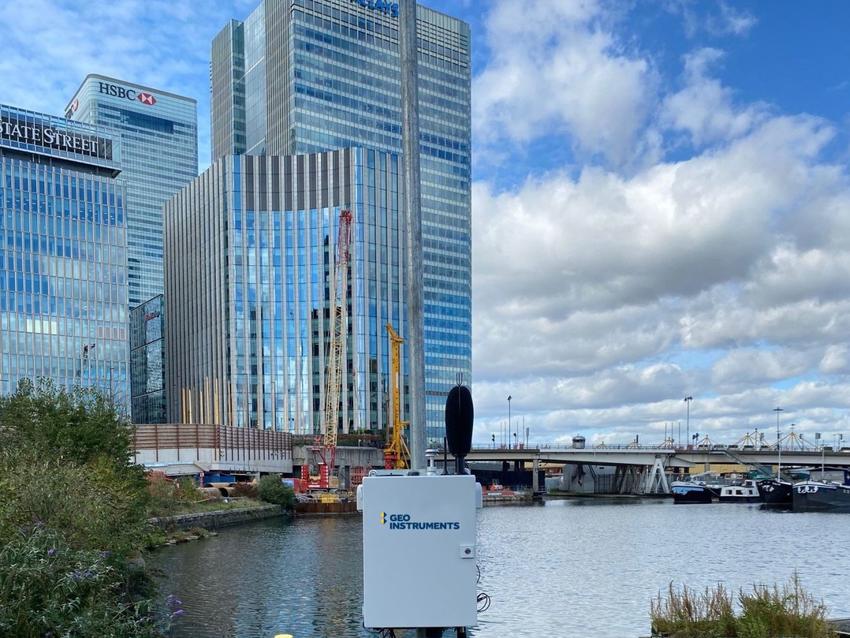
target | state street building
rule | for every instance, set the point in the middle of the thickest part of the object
(307, 76)
(250, 248)
(63, 255)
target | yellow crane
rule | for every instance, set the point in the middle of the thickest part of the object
(396, 454)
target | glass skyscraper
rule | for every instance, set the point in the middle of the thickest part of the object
(159, 136)
(63, 255)
(250, 252)
(147, 359)
(304, 76)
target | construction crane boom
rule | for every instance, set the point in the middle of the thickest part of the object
(338, 289)
(396, 454)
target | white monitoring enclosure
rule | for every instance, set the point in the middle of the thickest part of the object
(419, 558)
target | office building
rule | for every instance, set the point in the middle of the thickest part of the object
(305, 76)
(159, 137)
(63, 255)
(250, 248)
(147, 358)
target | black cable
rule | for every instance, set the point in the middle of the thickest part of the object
(381, 632)
(483, 601)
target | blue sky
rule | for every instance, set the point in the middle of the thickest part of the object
(661, 204)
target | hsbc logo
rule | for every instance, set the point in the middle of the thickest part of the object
(129, 94)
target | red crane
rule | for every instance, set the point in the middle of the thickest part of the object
(338, 287)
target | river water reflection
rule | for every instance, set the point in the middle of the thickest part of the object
(569, 568)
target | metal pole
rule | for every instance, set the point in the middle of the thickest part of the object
(413, 218)
(778, 445)
(510, 429)
(688, 400)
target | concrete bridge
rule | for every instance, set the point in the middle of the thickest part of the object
(635, 470)
(643, 470)
(588, 456)
(673, 457)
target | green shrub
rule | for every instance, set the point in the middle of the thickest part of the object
(79, 426)
(94, 506)
(271, 490)
(790, 611)
(72, 518)
(764, 613)
(50, 589)
(689, 614)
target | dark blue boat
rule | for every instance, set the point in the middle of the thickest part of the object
(687, 493)
(777, 493)
(816, 496)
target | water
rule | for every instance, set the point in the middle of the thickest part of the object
(569, 568)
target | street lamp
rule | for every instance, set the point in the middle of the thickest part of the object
(687, 401)
(509, 420)
(778, 445)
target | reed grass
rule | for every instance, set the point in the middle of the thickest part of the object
(763, 612)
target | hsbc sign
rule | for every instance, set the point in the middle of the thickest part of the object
(128, 94)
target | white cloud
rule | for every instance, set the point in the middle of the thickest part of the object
(732, 21)
(704, 108)
(50, 46)
(585, 285)
(836, 359)
(720, 19)
(745, 367)
(555, 69)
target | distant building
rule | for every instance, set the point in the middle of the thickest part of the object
(159, 136)
(249, 251)
(147, 358)
(63, 254)
(306, 76)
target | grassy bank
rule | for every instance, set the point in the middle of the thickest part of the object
(171, 498)
(763, 612)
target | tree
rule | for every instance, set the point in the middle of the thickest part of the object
(272, 490)
(72, 518)
(78, 425)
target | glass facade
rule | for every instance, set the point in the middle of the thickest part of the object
(63, 255)
(250, 251)
(159, 138)
(303, 76)
(147, 357)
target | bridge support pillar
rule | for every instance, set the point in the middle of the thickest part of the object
(535, 481)
(655, 480)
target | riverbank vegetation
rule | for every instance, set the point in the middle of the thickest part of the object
(763, 612)
(272, 490)
(167, 497)
(73, 518)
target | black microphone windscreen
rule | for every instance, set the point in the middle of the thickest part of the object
(459, 418)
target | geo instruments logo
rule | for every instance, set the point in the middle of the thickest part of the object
(405, 522)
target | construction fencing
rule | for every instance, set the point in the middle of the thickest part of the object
(214, 445)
